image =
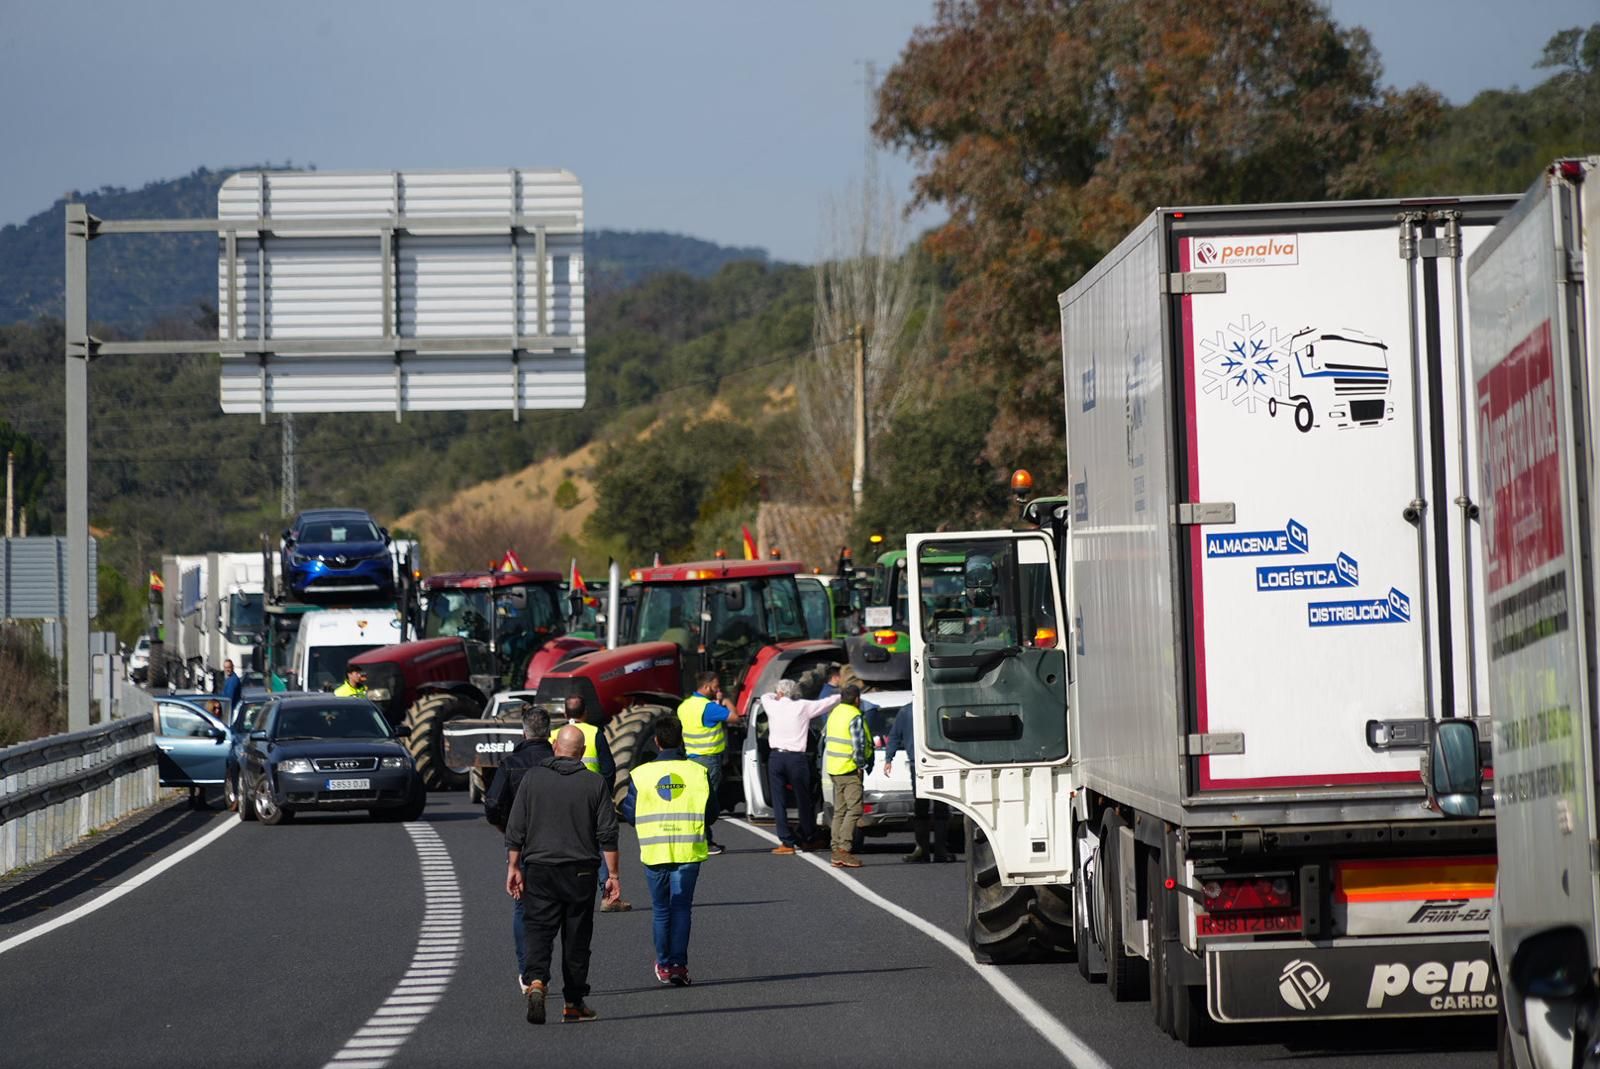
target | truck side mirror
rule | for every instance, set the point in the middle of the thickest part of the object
(288, 538)
(1455, 768)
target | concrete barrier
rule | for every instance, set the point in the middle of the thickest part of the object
(54, 791)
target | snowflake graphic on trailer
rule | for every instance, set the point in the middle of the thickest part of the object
(1247, 363)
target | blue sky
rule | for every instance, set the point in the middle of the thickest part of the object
(731, 120)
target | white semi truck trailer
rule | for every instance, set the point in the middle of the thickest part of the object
(213, 613)
(1190, 717)
(1535, 328)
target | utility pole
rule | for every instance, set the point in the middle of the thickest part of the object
(290, 476)
(75, 636)
(11, 495)
(858, 480)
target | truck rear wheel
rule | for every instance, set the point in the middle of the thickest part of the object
(424, 731)
(1009, 925)
(632, 742)
(1127, 977)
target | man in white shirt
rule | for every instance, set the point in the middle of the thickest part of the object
(789, 720)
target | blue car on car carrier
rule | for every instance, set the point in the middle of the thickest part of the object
(337, 553)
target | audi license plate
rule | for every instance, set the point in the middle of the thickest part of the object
(349, 785)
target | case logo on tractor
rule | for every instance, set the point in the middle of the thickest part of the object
(1460, 985)
(496, 747)
(1303, 986)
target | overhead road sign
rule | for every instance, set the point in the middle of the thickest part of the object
(400, 291)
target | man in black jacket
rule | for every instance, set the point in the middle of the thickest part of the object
(562, 821)
(534, 749)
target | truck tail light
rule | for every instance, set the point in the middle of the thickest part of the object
(1247, 893)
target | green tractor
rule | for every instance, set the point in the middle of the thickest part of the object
(880, 656)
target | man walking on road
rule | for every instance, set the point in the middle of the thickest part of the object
(232, 687)
(789, 720)
(534, 749)
(705, 738)
(846, 756)
(666, 803)
(562, 821)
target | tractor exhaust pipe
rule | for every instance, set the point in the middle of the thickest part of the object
(613, 602)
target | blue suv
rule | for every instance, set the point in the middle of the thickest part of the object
(337, 553)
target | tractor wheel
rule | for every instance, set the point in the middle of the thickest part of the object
(1013, 925)
(424, 731)
(632, 742)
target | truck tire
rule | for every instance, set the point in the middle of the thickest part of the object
(424, 731)
(1180, 1010)
(1127, 977)
(1012, 925)
(477, 785)
(1091, 963)
(632, 742)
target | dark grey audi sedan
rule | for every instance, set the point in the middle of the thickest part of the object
(320, 753)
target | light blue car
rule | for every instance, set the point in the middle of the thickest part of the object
(193, 748)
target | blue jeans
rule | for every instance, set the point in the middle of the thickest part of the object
(672, 897)
(712, 763)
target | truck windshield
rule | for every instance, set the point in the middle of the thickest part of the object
(670, 612)
(245, 616)
(325, 665)
(978, 593)
(741, 614)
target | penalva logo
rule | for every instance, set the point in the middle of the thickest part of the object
(1258, 250)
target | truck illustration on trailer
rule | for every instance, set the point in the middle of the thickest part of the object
(1341, 375)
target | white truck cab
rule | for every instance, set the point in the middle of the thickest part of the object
(329, 638)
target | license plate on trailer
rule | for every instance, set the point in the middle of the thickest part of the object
(349, 785)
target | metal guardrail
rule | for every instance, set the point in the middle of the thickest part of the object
(55, 790)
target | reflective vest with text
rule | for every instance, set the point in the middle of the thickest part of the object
(669, 811)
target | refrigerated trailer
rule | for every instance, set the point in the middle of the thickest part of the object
(1535, 328)
(1189, 716)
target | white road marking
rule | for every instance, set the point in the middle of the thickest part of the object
(1041, 1020)
(432, 966)
(121, 889)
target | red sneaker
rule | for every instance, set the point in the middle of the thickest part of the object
(679, 975)
(663, 973)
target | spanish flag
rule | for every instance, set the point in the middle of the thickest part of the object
(749, 544)
(156, 585)
(577, 579)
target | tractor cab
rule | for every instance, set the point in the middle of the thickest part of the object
(512, 614)
(718, 613)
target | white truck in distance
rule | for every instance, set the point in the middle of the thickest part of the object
(328, 638)
(212, 607)
(1535, 325)
(1188, 717)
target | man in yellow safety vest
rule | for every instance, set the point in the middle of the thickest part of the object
(355, 683)
(666, 803)
(703, 719)
(846, 757)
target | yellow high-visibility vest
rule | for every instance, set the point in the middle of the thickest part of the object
(838, 747)
(700, 738)
(591, 751)
(669, 811)
(345, 690)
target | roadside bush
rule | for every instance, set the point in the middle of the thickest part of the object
(30, 706)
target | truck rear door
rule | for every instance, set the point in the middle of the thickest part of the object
(1320, 374)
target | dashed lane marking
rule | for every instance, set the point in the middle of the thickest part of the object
(432, 967)
(1041, 1020)
(132, 884)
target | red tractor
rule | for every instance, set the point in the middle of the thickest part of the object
(481, 632)
(741, 619)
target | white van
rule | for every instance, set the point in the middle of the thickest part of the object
(328, 638)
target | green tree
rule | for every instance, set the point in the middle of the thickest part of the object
(932, 473)
(1047, 128)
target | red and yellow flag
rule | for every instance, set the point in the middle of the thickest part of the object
(749, 544)
(577, 580)
(156, 585)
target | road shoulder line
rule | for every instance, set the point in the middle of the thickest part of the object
(1058, 1035)
(132, 884)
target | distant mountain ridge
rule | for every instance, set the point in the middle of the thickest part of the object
(137, 280)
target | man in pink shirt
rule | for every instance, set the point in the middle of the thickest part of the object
(789, 720)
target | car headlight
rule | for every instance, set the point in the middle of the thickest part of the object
(395, 762)
(294, 764)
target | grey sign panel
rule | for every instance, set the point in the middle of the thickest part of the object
(401, 291)
(33, 578)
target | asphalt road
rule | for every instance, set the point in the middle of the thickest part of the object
(278, 945)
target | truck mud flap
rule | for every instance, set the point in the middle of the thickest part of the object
(1302, 981)
(479, 742)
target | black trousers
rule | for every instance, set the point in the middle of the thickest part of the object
(793, 770)
(559, 898)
